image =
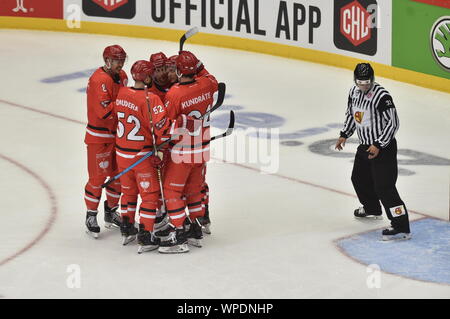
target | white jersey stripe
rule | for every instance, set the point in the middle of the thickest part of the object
(99, 134)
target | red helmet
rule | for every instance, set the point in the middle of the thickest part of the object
(158, 59)
(198, 62)
(141, 70)
(114, 52)
(172, 61)
(187, 63)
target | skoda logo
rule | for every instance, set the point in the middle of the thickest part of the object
(440, 42)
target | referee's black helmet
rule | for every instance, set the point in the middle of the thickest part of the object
(364, 71)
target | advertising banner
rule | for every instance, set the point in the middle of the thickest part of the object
(356, 28)
(32, 8)
(441, 3)
(421, 37)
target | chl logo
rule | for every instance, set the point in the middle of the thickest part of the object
(111, 5)
(124, 9)
(354, 23)
(354, 29)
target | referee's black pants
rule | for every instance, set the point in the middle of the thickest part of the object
(374, 181)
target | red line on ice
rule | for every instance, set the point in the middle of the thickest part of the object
(53, 212)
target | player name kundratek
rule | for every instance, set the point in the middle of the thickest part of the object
(195, 100)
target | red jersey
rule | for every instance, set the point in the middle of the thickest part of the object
(193, 99)
(101, 92)
(203, 72)
(159, 90)
(134, 135)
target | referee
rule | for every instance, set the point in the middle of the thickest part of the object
(371, 112)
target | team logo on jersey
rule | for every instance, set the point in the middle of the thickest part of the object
(397, 211)
(104, 164)
(359, 116)
(355, 26)
(145, 184)
(105, 103)
(124, 9)
(440, 42)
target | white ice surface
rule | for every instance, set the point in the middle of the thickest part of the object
(272, 236)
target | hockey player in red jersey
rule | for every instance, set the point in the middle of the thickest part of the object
(141, 118)
(161, 83)
(184, 172)
(103, 86)
(204, 220)
(172, 69)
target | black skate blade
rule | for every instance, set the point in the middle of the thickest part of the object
(143, 249)
(394, 238)
(111, 226)
(195, 242)
(369, 217)
(128, 239)
(177, 249)
(92, 234)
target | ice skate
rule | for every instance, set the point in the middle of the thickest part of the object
(91, 223)
(175, 243)
(394, 234)
(128, 231)
(16, 9)
(205, 222)
(161, 223)
(361, 213)
(195, 234)
(146, 240)
(112, 217)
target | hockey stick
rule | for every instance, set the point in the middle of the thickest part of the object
(158, 170)
(229, 129)
(187, 35)
(220, 97)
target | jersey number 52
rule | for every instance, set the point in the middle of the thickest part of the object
(133, 134)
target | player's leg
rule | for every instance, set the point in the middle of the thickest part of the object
(162, 219)
(128, 203)
(93, 189)
(385, 172)
(149, 189)
(196, 207)
(363, 184)
(111, 204)
(173, 240)
(205, 221)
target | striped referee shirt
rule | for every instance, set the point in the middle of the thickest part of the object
(372, 115)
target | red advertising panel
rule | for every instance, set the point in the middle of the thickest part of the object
(32, 8)
(440, 3)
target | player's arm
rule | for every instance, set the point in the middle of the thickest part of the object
(349, 123)
(161, 123)
(387, 110)
(124, 77)
(103, 107)
(170, 105)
